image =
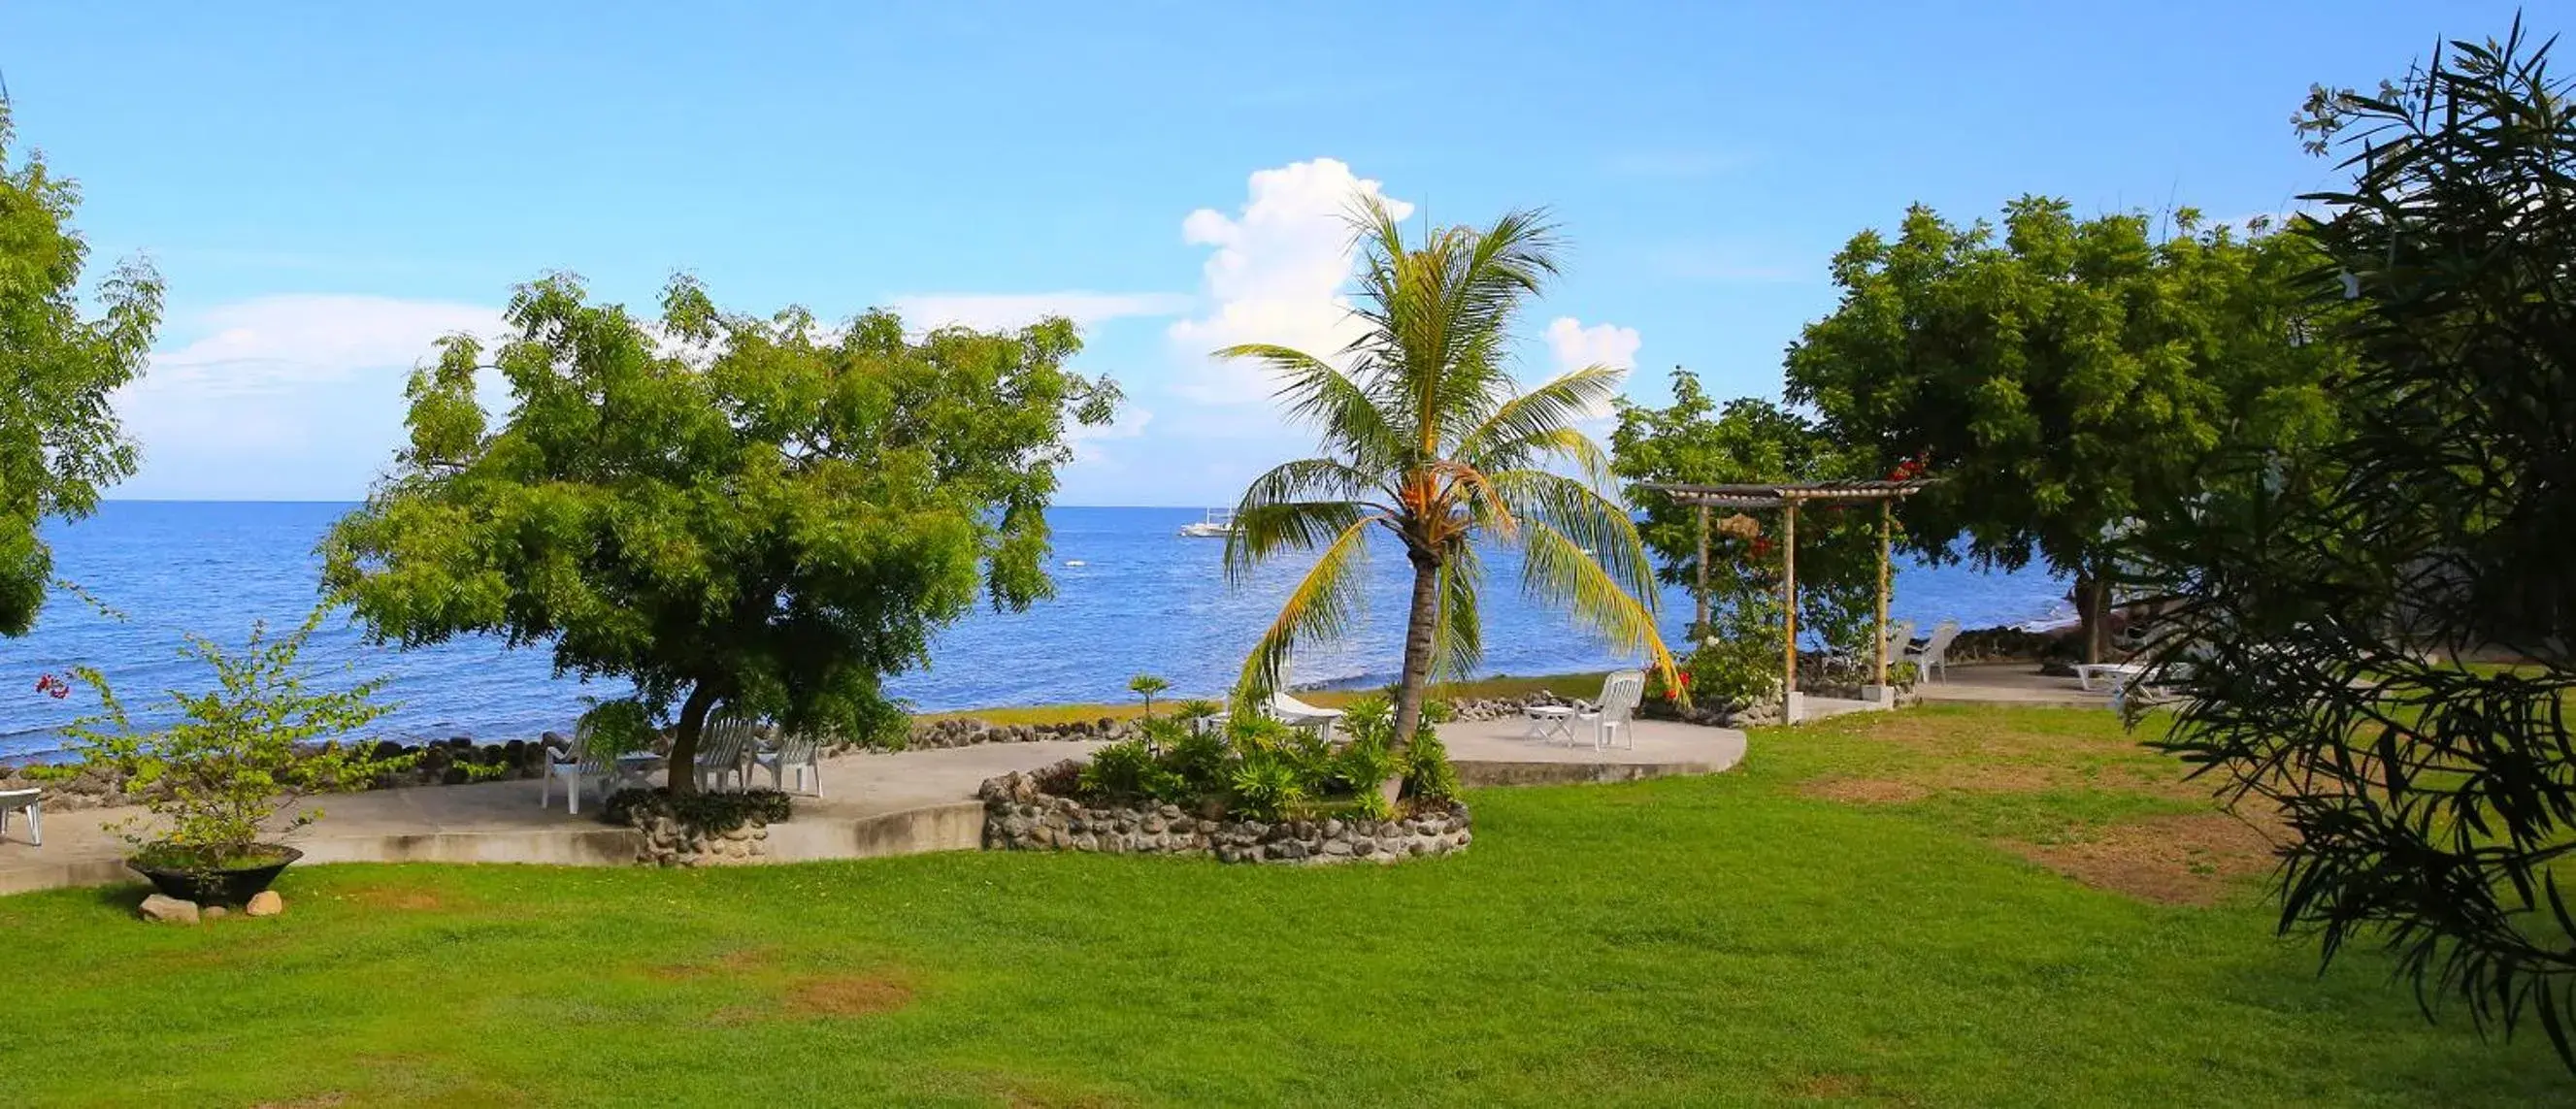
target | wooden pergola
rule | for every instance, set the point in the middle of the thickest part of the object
(1788, 497)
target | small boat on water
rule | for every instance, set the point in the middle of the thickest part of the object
(1218, 525)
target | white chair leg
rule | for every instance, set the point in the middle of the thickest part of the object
(546, 788)
(35, 824)
(4, 824)
(573, 794)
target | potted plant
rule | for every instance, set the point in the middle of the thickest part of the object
(229, 762)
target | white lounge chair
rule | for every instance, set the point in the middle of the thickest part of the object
(30, 802)
(799, 752)
(1934, 655)
(1620, 696)
(1295, 713)
(724, 752)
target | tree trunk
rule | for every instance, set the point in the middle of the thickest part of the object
(682, 772)
(1421, 624)
(2092, 604)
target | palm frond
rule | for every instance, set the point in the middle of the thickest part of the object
(1458, 638)
(1532, 421)
(1582, 513)
(1557, 570)
(1297, 505)
(1321, 607)
(1317, 394)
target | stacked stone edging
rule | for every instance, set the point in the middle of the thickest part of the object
(670, 842)
(1018, 816)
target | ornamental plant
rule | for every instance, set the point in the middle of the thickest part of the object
(237, 756)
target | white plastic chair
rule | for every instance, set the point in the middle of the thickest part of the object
(1934, 655)
(798, 752)
(571, 765)
(724, 752)
(1620, 696)
(30, 802)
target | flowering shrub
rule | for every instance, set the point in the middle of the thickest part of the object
(1266, 770)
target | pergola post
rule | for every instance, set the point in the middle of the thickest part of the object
(1699, 620)
(1885, 536)
(1789, 609)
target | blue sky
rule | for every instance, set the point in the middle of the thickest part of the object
(326, 188)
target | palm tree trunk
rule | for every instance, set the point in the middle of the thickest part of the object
(1420, 626)
(2092, 609)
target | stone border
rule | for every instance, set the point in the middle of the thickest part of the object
(1019, 817)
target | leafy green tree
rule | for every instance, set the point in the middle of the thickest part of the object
(1429, 439)
(1693, 441)
(2063, 378)
(59, 439)
(720, 508)
(2334, 599)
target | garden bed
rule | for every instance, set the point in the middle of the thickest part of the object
(1020, 816)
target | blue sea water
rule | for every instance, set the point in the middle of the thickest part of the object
(1131, 595)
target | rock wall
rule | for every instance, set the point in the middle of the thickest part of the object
(1019, 817)
(669, 842)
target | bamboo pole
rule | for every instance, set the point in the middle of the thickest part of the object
(1886, 535)
(1699, 622)
(1789, 608)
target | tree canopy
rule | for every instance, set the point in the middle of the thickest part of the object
(60, 443)
(2337, 600)
(1429, 438)
(2063, 375)
(720, 507)
(1695, 441)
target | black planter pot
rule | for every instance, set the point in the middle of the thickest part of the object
(217, 887)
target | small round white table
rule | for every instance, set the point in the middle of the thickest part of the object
(1548, 722)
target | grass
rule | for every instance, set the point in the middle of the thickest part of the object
(1744, 939)
(1572, 685)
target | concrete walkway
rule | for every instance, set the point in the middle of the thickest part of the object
(871, 805)
(2010, 683)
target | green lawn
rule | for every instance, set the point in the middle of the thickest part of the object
(1740, 939)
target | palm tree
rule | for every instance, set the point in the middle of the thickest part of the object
(1429, 437)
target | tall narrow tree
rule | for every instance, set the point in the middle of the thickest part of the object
(1428, 438)
(59, 439)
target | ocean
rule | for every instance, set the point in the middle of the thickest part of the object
(1132, 595)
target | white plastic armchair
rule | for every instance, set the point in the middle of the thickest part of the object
(1933, 656)
(797, 751)
(724, 752)
(571, 765)
(1620, 696)
(30, 802)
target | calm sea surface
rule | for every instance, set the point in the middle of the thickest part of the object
(1131, 595)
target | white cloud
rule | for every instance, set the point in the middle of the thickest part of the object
(992, 311)
(283, 342)
(285, 396)
(1277, 275)
(1085, 439)
(1572, 346)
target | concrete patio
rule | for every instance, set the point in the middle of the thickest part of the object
(2011, 683)
(872, 805)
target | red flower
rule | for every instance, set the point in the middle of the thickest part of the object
(52, 685)
(1684, 676)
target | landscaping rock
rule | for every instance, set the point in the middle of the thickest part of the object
(265, 903)
(213, 912)
(1018, 817)
(167, 910)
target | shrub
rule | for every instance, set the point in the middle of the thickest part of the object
(1427, 770)
(1118, 770)
(1265, 786)
(1196, 708)
(238, 755)
(708, 812)
(1726, 672)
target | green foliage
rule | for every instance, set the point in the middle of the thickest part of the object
(618, 726)
(720, 507)
(60, 443)
(238, 754)
(1431, 440)
(1147, 686)
(1118, 769)
(1428, 773)
(1693, 441)
(1267, 785)
(1196, 708)
(708, 812)
(2326, 596)
(1737, 667)
(2066, 376)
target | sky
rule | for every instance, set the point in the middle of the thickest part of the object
(327, 188)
